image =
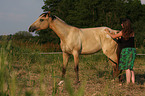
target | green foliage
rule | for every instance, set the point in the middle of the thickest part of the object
(22, 35)
(139, 33)
(7, 76)
(47, 36)
(96, 13)
(86, 14)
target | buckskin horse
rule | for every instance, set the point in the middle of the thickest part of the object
(78, 41)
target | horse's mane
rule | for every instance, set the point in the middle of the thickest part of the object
(57, 18)
(60, 19)
(44, 14)
(52, 16)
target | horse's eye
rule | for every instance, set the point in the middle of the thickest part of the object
(41, 20)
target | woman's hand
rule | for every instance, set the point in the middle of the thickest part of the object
(107, 30)
(114, 35)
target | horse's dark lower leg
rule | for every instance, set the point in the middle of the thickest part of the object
(76, 68)
(77, 73)
(117, 73)
(114, 71)
(65, 62)
(63, 72)
(120, 77)
(118, 57)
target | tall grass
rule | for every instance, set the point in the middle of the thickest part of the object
(38, 75)
(47, 47)
(7, 76)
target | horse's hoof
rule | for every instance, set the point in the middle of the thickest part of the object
(77, 82)
(60, 83)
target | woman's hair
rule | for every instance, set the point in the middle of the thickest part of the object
(127, 30)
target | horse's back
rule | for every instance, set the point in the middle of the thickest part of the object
(90, 38)
(95, 39)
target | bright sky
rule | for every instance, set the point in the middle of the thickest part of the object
(17, 15)
(143, 1)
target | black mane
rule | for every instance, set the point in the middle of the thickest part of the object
(45, 13)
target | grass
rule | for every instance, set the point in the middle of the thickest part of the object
(38, 75)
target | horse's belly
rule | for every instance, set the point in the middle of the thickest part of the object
(90, 48)
(90, 43)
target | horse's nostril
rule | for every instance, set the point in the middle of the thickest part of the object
(32, 29)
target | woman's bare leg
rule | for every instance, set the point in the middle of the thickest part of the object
(128, 75)
(132, 76)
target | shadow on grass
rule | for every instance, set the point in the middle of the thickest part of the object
(140, 78)
(102, 73)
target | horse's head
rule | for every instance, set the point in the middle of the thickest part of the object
(41, 23)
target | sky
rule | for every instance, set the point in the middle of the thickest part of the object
(18, 15)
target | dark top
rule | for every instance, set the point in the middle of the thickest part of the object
(126, 43)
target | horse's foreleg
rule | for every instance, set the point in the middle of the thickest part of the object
(76, 67)
(65, 63)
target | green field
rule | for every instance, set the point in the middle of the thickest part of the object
(25, 72)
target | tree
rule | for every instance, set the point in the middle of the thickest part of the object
(96, 13)
(83, 14)
(22, 35)
(47, 36)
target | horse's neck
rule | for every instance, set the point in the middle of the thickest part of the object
(60, 28)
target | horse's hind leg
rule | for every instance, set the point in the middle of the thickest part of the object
(65, 63)
(115, 69)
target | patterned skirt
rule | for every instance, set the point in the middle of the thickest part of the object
(127, 57)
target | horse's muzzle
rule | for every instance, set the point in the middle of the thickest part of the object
(32, 28)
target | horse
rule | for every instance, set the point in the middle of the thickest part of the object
(76, 41)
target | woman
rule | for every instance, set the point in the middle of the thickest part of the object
(128, 51)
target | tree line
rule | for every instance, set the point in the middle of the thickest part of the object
(94, 13)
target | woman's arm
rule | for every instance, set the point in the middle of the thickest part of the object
(114, 35)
